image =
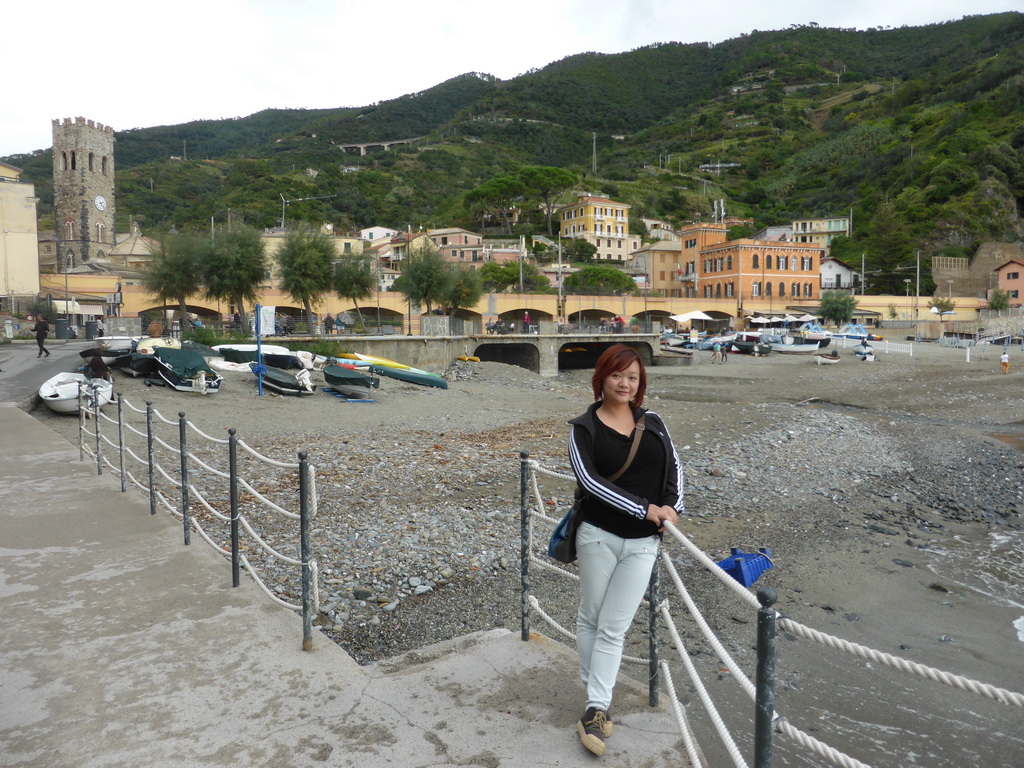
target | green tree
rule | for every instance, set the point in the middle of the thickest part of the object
(354, 280)
(998, 299)
(234, 268)
(578, 249)
(888, 246)
(464, 290)
(175, 270)
(503, 277)
(546, 183)
(426, 278)
(942, 304)
(599, 279)
(496, 196)
(306, 258)
(837, 306)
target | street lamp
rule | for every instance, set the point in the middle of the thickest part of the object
(950, 284)
(907, 282)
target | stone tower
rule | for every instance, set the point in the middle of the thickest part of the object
(83, 191)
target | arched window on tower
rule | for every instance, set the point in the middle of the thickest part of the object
(90, 161)
(69, 230)
(103, 165)
(65, 156)
(99, 231)
(69, 260)
(74, 160)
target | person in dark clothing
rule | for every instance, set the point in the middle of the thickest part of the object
(97, 369)
(617, 542)
(41, 330)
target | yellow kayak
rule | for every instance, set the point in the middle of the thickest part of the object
(381, 361)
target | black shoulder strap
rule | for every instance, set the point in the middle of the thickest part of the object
(641, 424)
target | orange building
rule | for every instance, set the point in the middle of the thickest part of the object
(765, 273)
(1010, 278)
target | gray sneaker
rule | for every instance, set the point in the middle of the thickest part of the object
(594, 727)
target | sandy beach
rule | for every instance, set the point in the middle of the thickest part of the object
(890, 494)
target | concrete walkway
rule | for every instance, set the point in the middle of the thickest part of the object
(122, 647)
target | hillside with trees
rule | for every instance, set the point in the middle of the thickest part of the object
(918, 131)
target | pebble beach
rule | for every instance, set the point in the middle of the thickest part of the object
(889, 493)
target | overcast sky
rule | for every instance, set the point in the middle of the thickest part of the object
(133, 64)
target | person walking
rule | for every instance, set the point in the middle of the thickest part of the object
(716, 353)
(526, 322)
(41, 330)
(1004, 361)
(631, 484)
(725, 350)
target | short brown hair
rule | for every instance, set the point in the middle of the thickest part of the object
(618, 357)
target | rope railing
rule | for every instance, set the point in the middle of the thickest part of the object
(195, 474)
(535, 511)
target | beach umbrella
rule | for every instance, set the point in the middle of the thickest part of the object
(806, 318)
(759, 319)
(688, 316)
(791, 319)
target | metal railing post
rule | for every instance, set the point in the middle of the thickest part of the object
(81, 426)
(233, 482)
(307, 574)
(149, 456)
(120, 441)
(524, 544)
(765, 697)
(183, 452)
(653, 681)
(96, 426)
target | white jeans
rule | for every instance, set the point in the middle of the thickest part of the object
(614, 573)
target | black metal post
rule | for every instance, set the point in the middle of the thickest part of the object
(765, 696)
(149, 457)
(307, 572)
(233, 482)
(81, 426)
(120, 441)
(96, 427)
(183, 452)
(653, 681)
(524, 544)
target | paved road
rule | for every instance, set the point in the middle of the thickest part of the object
(122, 647)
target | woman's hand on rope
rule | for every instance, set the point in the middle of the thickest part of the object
(662, 514)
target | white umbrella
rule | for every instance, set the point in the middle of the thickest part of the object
(791, 319)
(688, 316)
(759, 319)
(775, 319)
(807, 318)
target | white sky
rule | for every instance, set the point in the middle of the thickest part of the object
(168, 63)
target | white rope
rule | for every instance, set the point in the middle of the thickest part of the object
(536, 467)
(211, 438)
(895, 662)
(696, 759)
(173, 449)
(547, 564)
(817, 746)
(268, 460)
(713, 567)
(172, 422)
(706, 630)
(702, 692)
(207, 467)
(173, 481)
(130, 428)
(124, 401)
(202, 500)
(242, 482)
(266, 589)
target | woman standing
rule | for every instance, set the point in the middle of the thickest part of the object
(617, 542)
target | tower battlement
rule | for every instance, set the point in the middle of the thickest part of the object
(67, 121)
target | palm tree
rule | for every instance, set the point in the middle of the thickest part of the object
(176, 270)
(307, 260)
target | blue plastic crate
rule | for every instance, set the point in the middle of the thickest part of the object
(747, 567)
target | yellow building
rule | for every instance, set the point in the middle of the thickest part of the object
(820, 232)
(19, 278)
(603, 223)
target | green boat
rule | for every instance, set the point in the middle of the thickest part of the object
(350, 382)
(413, 375)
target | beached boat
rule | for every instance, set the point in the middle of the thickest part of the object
(827, 359)
(412, 375)
(797, 349)
(109, 354)
(285, 382)
(755, 348)
(60, 393)
(187, 371)
(349, 381)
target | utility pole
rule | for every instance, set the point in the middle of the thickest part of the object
(862, 273)
(593, 167)
(917, 293)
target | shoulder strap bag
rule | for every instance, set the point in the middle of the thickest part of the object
(562, 546)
